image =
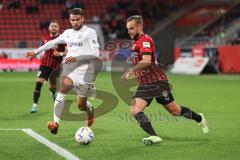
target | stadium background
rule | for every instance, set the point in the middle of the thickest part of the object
(180, 29)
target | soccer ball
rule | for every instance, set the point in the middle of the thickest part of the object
(84, 135)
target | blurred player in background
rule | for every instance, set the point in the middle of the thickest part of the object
(153, 83)
(50, 61)
(78, 68)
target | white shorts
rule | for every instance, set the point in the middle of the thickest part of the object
(82, 77)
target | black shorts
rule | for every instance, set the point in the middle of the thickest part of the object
(161, 91)
(44, 72)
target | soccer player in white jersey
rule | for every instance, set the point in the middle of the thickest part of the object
(78, 67)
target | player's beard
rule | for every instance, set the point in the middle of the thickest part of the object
(54, 33)
(135, 36)
(77, 27)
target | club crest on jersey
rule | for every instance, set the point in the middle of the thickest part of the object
(165, 93)
(146, 45)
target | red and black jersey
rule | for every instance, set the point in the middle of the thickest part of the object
(145, 45)
(48, 59)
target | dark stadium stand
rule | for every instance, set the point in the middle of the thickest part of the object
(24, 21)
(215, 29)
(222, 23)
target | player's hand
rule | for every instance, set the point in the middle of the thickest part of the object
(70, 60)
(30, 54)
(126, 75)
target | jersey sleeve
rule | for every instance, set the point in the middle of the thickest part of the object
(60, 39)
(146, 46)
(51, 44)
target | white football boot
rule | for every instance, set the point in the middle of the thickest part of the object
(151, 140)
(203, 124)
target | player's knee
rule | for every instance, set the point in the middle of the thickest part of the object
(66, 85)
(67, 81)
(174, 111)
(134, 110)
(41, 80)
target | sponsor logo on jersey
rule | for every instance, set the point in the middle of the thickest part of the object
(146, 45)
(79, 44)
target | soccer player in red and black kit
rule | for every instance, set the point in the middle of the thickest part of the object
(50, 61)
(152, 83)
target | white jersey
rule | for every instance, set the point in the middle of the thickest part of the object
(81, 44)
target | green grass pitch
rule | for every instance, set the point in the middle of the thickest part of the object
(119, 137)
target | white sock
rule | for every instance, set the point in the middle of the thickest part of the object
(58, 107)
(35, 105)
(89, 106)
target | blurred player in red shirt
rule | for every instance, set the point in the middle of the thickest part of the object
(152, 82)
(50, 61)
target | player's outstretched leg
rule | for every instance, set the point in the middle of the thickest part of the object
(36, 95)
(58, 107)
(136, 109)
(186, 112)
(65, 87)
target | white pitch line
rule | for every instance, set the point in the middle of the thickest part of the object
(63, 152)
(10, 129)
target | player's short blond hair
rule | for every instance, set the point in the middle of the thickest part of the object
(137, 18)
